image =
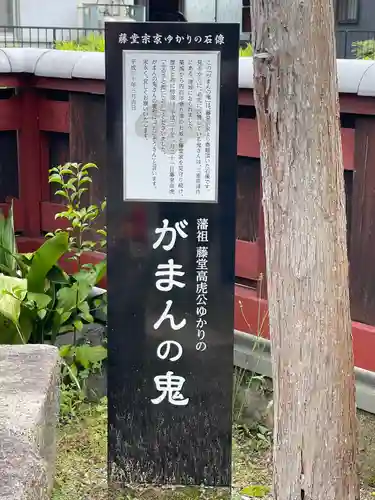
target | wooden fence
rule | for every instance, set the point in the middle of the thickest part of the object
(46, 121)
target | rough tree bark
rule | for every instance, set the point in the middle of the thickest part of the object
(307, 269)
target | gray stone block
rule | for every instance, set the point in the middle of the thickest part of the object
(29, 399)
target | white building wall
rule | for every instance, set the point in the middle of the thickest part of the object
(200, 11)
(45, 13)
(229, 11)
(55, 13)
(207, 11)
(64, 13)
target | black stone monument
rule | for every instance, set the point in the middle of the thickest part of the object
(171, 96)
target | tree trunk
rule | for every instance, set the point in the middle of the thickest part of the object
(307, 268)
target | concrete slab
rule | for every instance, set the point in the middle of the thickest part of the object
(29, 398)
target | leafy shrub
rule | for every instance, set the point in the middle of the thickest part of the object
(92, 43)
(8, 245)
(38, 300)
(364, 49)
(72, 180)
(246, 51)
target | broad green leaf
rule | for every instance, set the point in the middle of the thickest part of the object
(73, 369)
(87, 355)
(44, 259)
(55, 178)
(84, 180)
(84, 289)
(76, 223)
(85, 312)
(21, 261)
(41, 299)
(13, 334)
(65, 316)
(10, 306)
(66, 329)
(78, 325)
(100, 270)
(28, 257)
(26, 323)
(42, 313)
(67, 298)
(57, 275)
(92, 276)
(58, 319)
(65, 350)
(61, 193)
(9, 240)
(8, 332)
(6, 270)
(71, 184)
(8, 249)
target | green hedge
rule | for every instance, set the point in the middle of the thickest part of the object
(91, 43)
(364, 49)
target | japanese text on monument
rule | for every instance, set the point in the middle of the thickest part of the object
(171, 127)
(202, 283)
(170, 275)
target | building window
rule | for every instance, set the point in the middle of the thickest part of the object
(347, 11)
(246, 21)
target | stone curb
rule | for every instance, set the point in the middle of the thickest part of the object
(29, 399)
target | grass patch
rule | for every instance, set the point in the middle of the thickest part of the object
(81, 468)
(82, 462)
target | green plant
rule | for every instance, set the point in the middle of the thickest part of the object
(38, 300)
(7, 243)
(79, 362)
(43, 301)
(255, 491)
(364, 49)
(72, 179)
(246, 51)
(72, 397)
(66, 45)
(94, 42)
(27, 291)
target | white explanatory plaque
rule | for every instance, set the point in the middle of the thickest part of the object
(171, 125)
